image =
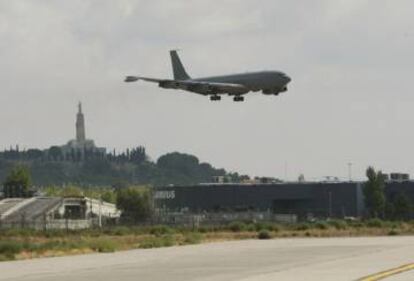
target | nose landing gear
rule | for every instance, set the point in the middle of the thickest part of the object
(238, 98)
(215, 98)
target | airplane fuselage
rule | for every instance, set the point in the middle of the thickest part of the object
(268, 81)
(236, 85)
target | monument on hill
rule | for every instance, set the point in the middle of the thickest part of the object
(81, 148)
(80, 125)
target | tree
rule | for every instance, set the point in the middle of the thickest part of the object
(180, 162)
(389, 210)
(374, 193)
(17, 183)
(109, 196)
(137, 155)
(135, 203)
(71, 191)
(34, 154)
(119, 184)
(55, 152)
(402, 207)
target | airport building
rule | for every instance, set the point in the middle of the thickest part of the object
(56, 212)
(300, 201)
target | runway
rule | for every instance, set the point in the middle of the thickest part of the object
(260, 260)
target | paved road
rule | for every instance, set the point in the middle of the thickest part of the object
(281, 259)
(406, 276)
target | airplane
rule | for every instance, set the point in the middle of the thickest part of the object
(236, 85)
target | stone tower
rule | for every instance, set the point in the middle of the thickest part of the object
(80, 125)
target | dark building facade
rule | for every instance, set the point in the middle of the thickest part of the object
(319, 199)
(302, 199)
(394, 188)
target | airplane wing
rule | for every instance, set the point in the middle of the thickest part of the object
(205, 87)
(200, 87)
(136, 78)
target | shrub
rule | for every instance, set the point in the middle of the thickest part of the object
(6, 258)
(135, 204)
(356, 224)
(322, 225)
(267, 226)
(260, 226)
(17, 232)
(203, 229)
(374, 223)
(159, 230)
(10, 248)
(121, 231)
(63, 245)
(157, 242)
(237, 226)
(264, 234)
(211, 228)
(103, 245)
(51, 233)
(395, 224)
(192, 238)
(393, 232)
(276, 228)
(338, 224)
(251, 227)
(302, 226)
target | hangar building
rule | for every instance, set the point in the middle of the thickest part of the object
(303, 200)
(334, 199)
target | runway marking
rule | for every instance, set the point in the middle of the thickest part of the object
(388, 273)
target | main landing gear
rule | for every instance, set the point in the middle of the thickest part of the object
(215, 98)
(238, 98)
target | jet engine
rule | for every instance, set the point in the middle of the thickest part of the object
(168, 85)
(274, 91)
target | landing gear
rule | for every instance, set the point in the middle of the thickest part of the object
(238, 98)
(215, 98)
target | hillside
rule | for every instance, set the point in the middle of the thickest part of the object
(172, 168)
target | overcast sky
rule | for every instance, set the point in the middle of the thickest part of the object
(351, 98)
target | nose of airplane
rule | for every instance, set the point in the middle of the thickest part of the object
(286, 78)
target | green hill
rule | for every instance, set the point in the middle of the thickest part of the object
(132, 167)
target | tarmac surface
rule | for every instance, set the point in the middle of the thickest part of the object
(260, 260)
(405, 276)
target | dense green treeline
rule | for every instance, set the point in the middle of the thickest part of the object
(379, 205)
(133, 167)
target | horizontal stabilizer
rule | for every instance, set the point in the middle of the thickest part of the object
(131, 79)
(136, 78)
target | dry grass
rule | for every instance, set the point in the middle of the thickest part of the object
(28, 244)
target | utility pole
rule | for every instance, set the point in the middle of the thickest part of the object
(286, 167)
(100, 212)
(330, 203)
(350, 171)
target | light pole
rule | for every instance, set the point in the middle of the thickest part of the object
(350, 171)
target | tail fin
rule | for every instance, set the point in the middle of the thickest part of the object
(178, 68)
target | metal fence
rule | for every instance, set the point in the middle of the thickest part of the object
(222, 218)
(46, 224)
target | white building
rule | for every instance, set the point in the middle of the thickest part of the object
(56, 212)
